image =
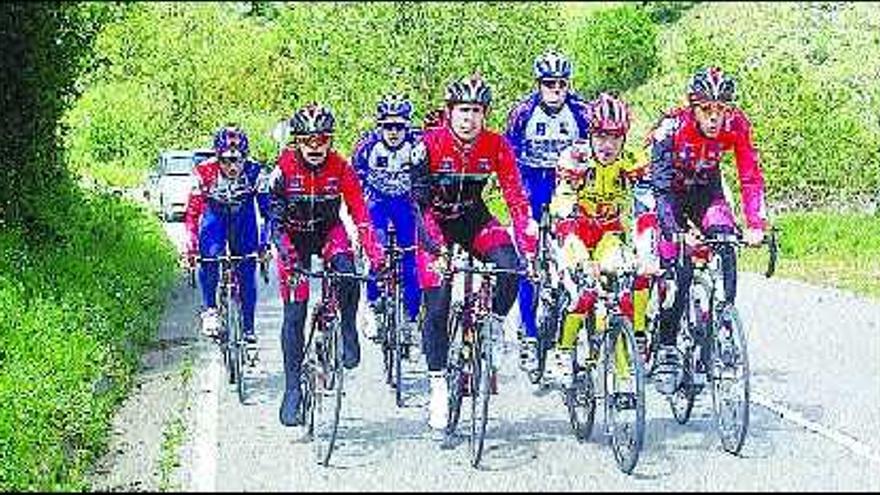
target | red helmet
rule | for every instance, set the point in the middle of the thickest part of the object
(609, 114)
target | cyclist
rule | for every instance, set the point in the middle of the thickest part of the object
(383, 159)
(307, 187)
(686, 150)
(592, 181)
(461, 156)
(220, 209)
(539, 128)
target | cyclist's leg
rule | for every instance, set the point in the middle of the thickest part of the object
(405, 226)
(292, 333)
(490, 241)
(717, 218)
(379, 215)
(337, 250)
(245, 243)
(436, 295)
(670, 216)
(539, 185)
(212, 237)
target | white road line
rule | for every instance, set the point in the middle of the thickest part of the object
(843, 439)
(204, 470)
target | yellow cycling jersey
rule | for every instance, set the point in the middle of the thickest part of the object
(603, 191)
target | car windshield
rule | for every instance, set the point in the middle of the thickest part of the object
(178, 166)
(201, 156)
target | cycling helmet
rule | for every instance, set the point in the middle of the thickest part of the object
(312, 119)
(711, 84)
(394, 105)
(231, 141)
(469, 90)
(609, 114)
(552, 64)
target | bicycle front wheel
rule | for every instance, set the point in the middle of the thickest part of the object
(625, 394)
(730, 378)
(456, 364)
(237, 347)
(480, 386)
(328, 389)
(397, 355)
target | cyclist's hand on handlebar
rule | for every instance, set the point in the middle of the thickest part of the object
(753, 237)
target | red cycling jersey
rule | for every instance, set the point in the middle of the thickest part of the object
(682, 157)
(458, 171)
(306, 200)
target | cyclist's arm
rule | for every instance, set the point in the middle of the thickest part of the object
(353, 196)
(515, 197)
(278, 203)
(420, 195)
(515, 132)
(751, 179)
(359, 158)
(195, 207)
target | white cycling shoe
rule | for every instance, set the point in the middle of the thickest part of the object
(210, 322)
(439, 404)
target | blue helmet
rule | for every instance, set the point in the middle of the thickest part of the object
(394, 105)
(230, 140)
(552, 64)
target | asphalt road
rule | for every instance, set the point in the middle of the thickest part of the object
(815, 357)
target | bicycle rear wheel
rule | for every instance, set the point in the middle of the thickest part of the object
(625, 394)
(730, 378)
(480, 391)
(328, 389)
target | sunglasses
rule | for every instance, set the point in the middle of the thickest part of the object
(230, 160)
(393, 126)
(314, 140)
(713, 107)
(554, 83)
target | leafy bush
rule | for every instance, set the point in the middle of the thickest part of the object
(615, 49)
(208, 67)
(805, 79)
(76, 315)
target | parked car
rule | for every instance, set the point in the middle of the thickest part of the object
(170, 182)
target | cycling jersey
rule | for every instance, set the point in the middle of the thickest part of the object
(538, 135)
(682, 157)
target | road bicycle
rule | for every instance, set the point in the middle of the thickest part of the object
(322, 369)
(606, 365)
(711, 339)
(235, 352)
(470, 369)
(392, 329)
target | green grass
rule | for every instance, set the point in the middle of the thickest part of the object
(833, 249)
(78, 308)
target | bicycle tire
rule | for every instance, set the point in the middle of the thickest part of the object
(387, 344)
(732, 434)
(681, 401)
(329, 394)
(480, 392)
(397, 354)
(548, 329)
(626, 440)
(580, 396)
(238, 354)
(455, 367)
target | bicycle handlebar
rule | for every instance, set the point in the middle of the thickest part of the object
(770, 240)
(331, 274)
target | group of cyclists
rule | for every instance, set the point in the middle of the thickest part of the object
(560, 155)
